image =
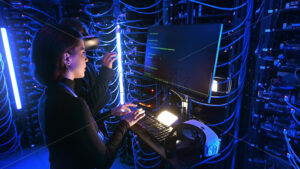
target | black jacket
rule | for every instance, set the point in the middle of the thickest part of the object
(93, 88)
(71, 132)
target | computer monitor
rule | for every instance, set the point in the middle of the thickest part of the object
(184, 56)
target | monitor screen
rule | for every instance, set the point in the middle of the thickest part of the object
(184, 56)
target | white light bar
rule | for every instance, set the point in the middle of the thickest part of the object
(214, 87)
(11, 68)
(120, 66)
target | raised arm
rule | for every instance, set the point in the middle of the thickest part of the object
(94, 87)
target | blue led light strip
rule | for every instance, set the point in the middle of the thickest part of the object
(217, 55)
(120, 66)
(11, 68)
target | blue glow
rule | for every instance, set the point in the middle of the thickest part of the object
(217, 55)
(11, 68)
(120, 65)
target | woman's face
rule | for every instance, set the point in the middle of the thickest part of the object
(78, 61)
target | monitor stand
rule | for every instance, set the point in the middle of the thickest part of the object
(185, 105)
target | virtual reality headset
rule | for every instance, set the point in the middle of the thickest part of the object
(194, 138)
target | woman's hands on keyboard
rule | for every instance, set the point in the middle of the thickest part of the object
(122, 109)
(134, 116)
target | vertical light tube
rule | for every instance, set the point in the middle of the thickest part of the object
(120, 65)
(11, 68)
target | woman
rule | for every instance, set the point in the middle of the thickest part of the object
(58, 55)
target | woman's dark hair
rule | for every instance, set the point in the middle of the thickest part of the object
(48, 47)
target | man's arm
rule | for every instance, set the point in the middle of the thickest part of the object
(93, 88)
(98, 94)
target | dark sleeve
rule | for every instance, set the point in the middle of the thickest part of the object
(100, 116)
(97, 95)
(104, 155)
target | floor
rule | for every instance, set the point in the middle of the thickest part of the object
(37, 158)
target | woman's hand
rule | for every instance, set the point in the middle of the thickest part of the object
(122, 110)
(134, 117)
(108, 59)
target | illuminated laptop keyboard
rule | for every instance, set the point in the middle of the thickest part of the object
(156, 129)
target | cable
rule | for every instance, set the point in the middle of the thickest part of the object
(8, 128)
(292, 152)
(139, 147)
(148, 159)
(116, 89)
(216, 105)
(295, 118)
(227, 95)
(137, 157)
(235, 28)
(145, 100)
(238, 72)
(292, 163)
(221, 8)
(137, 8)
(38, 10)
(115, 99)
(107, 33)
(232, 43)
(132, 63)
(225, 120)
(10, 140)
(108, 27)
(204, 161)
(146, 13)
(113, 49)
(139, 43)
(147, 27)
(150, 166)
(111, 122)
(234, 59)
(30, 18)
(138, 85)
(108, 41)
(229, 128)
(7, 120)
(286, 99)
(115, 80)
(258, 10)
(96, 15)
(125, 44)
